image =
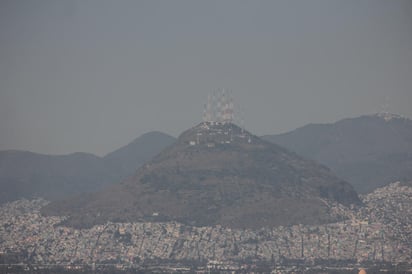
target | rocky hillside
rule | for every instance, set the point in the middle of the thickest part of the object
(216, 174)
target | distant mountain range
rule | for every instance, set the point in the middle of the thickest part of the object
(216, 174)
(25, 174)
(368, 151)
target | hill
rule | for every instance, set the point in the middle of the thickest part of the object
(216, 174)
(128, 158)
(368, 151)
(25, 174)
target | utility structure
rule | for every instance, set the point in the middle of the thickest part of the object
(219, 107)
(218, 121)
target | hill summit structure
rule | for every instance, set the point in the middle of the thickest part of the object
(219, 107)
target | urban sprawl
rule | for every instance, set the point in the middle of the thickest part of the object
(381, 231)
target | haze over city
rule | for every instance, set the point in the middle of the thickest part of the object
(93, 75)
(222, 136)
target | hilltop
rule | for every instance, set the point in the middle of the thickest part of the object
(216, 173)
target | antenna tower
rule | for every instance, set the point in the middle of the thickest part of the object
(219, 107)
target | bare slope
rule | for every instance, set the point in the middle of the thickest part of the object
(217, 174)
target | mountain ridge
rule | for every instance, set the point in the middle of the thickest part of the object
(25, 174)
(368, 151)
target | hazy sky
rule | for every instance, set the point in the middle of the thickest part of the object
(93, 75)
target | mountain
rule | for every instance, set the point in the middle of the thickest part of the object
(368, 151)
(216, 174)
(25, 174)
(128, 158)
